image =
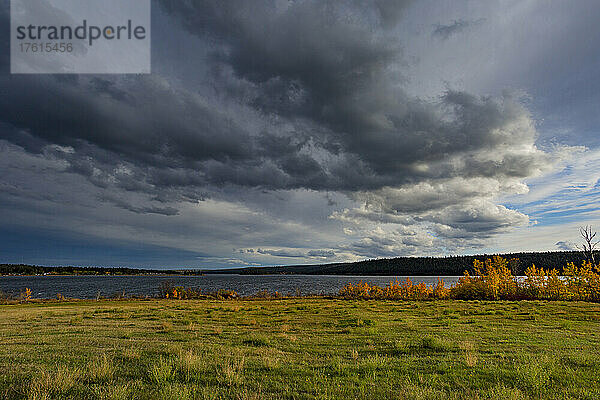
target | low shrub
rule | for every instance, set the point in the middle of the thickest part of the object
(492, 279)
(396, 290)
(168, 291)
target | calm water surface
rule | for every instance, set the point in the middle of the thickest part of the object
(90, 286)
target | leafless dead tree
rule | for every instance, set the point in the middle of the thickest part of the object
(590, 245)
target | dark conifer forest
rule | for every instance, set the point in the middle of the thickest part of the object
(412, 266)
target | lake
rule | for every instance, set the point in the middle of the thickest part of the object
(88, 287)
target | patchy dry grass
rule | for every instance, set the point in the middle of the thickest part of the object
(300, 349)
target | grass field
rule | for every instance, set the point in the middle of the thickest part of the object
(300, 349)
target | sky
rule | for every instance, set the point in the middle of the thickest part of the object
(303, 132)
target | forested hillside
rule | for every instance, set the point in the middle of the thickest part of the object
(454, 265)
(22, 269)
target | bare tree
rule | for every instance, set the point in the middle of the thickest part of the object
(590, 245)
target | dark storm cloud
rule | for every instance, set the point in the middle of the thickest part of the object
(4, 38)
(338, 62)
(366, 135)
(143, 119)
(299, 95)
(172, 138)
(390, 11)
(167, 211)
(446, 31)
(314, 55)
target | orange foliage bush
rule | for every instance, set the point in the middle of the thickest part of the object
(492, 279)
(405, 290)
(182, 293)
(576, 283)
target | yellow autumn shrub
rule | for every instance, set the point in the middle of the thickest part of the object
(492, 279)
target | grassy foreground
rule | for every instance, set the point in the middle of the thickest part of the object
(300, 349)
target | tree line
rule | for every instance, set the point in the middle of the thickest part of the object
(23, 269)
(419, 266)
(401, 266)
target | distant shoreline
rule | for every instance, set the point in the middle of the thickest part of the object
(49, 275)
(398, 266)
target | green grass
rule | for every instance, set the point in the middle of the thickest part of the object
(300, 349)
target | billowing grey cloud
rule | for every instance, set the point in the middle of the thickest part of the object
(295, 97)
(392, 243)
